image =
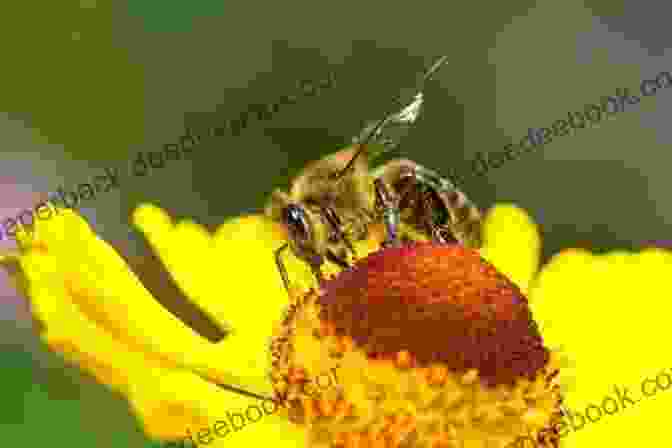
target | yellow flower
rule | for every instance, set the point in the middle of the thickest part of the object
(96, 312)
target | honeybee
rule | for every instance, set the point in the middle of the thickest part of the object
(333, 201)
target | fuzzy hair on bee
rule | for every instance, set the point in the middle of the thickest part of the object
(335, 212)
(334, 200)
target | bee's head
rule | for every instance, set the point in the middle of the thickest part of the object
(306, 232)
(295, 218)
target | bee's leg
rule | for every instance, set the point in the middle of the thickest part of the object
(317, 272)
(349, 245)
(388, 201)
(359, 229)
(464, 221)
(430, 227)
(315, 262)
(423, 207)
(331, 256)
(437, 232)
(281, 266)
(337, 225)
(315, 265)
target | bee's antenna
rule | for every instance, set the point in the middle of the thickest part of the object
(413, 109)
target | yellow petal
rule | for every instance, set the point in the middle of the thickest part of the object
(98, 281)
(243, 424)
(186, 250)
(511, 243)
(167, 400)
(189, 405)
(68, 331)
(611, 312)
(236, 269)
(231, 276)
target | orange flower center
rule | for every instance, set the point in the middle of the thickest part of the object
(439, 303)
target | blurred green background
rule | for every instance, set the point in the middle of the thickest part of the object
(85, 85)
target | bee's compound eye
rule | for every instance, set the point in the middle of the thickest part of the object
(294, 217)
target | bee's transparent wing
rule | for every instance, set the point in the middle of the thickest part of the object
(385, 136)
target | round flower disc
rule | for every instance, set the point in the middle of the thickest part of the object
(419, 345)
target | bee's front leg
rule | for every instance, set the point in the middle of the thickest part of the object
(282, 270)
(388, 201)
(341, 244)
(314, 262)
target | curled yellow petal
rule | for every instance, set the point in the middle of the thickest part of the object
(231, 276)
(185, 249)
(68, 331)
(77, 294)
(97, 280)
